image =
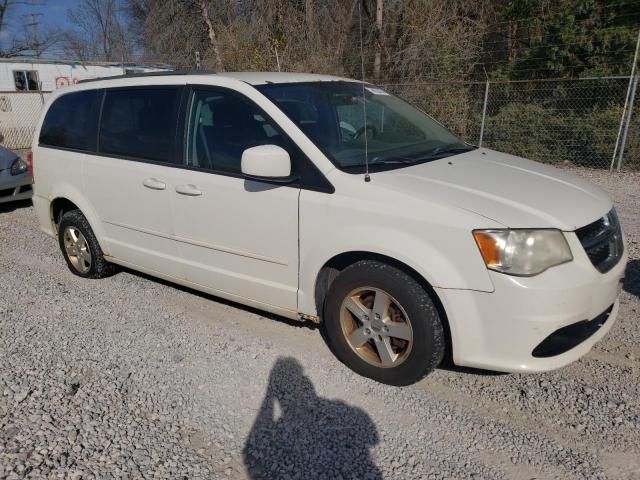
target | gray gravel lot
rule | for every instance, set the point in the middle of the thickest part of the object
(130, 377)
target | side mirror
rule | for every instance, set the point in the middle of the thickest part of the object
(267, 162)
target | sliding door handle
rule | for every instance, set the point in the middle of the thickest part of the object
(154, 184)
(189, 190)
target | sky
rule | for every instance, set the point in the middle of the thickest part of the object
(54, 12)
(49, 13)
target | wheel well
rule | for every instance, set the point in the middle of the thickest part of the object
(59, 207)
(332, 268)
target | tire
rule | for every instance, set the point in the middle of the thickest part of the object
(74, 223)
(409, 304)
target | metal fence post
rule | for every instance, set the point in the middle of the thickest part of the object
(484, 112)
(628, 122)
(40, 92)
(620, 126)
(626, 103)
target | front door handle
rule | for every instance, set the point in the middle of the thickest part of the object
(190, 190)
(154, 184)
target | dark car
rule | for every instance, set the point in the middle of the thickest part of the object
(15, 179)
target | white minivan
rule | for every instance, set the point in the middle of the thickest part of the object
(330, 200)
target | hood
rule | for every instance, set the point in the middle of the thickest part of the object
(510, 190)
(6, 158)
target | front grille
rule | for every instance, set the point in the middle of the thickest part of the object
(602, 241)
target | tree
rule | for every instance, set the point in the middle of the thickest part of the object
(99, 32)
(27, 39)
(213, 41)
(309, 35)
(568, 38)
(404, 40)
(374, 8)
(168, 31)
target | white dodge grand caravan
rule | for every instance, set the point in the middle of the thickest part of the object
(330, 200)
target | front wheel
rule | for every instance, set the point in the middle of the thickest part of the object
(382, 324)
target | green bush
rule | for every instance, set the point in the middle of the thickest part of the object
(526, 130)
(550, 136)
(631, 159)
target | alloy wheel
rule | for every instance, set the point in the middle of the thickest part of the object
(77, 249)
(376, 327)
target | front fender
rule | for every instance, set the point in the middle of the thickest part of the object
(456, 267)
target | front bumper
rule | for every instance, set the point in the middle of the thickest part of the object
(501, 330)
(14, 187)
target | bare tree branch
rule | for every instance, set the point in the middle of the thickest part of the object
(99, 32)
(25, 41)
(212, 36)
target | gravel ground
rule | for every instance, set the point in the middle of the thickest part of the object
(130, 377)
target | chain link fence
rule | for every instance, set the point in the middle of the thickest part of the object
(575, 122)
(19, 114)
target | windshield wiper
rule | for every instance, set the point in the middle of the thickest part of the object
(391, 160)
(399, 160)
(446, 151)
(382, 161)
(437, 153)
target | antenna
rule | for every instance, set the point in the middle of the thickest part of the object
(367, 178)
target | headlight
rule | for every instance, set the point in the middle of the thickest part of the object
(522, 252)
(18, 166)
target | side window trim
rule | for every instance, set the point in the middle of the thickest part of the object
(103, 93)
(181, 126)
(313, 180)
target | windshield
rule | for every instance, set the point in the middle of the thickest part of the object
(332, 114)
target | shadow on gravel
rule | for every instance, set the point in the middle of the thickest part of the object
(632, 278)
(11, 206)
(298, 434)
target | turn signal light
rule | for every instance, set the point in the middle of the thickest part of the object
(489, 247)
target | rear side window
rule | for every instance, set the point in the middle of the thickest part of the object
(72, 121)
(140, 123)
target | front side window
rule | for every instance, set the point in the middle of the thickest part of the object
(72, 121)
(351, 124)
(222, 125)
(140, 123)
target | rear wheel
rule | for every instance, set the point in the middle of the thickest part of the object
(80, 247)
(382, 324)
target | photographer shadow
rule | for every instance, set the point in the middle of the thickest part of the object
(298, 434)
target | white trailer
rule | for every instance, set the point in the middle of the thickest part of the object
(26, 83)
(29, 74)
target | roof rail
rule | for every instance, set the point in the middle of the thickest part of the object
(150, 74)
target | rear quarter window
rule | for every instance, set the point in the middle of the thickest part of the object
(72, 121)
